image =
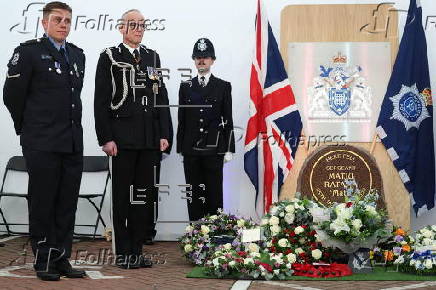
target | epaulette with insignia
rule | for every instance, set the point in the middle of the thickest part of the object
(144, 47)
(75, 46)
(114, 49)
(31, 41)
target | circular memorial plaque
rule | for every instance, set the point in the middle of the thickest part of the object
(325, 170)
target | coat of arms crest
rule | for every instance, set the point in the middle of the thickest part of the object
(340, 92)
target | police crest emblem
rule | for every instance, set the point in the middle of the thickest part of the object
(15, 58)
(202, 46)
(410, 106)
(340, 92)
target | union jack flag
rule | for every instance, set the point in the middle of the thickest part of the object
(274, 126)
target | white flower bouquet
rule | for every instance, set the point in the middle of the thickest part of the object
(355, 223)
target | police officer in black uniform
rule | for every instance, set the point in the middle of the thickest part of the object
(205, 133)
(42, 93)
(133, 125)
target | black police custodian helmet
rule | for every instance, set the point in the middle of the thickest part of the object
(203, 48)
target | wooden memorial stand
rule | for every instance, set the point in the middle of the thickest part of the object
(347, 23)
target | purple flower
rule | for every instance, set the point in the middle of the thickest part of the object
(397, 250)
(235, 243)
(398, 239)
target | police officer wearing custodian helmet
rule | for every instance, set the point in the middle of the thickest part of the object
(42, 93)
(205, 132)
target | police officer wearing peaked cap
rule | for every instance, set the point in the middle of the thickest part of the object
(42, 93)
(205, 132)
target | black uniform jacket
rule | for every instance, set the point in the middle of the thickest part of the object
(126, 109)
(205, 118)
(42, 93)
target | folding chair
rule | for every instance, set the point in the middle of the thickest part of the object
(15, 163)
(95, 164)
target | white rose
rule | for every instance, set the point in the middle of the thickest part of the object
(357, 224)
(299, 251)
(282, 214)
(283, 243)
(291, 258)
(428, 263)
(227, 246)
(188, 248)
(275, 230)
(299, 230)
(289, 218)
(240, 223)
(427, 242)
(412, 240)
(290, 208)
(232, 263)
(264, 221)
(403, 243)
(213, 217)
(253, 248)
(316, 254)
(255, 255)
(189, 229)
(269, 244)
(205, 229)
(427, 233)
(248, 261)
(274, 221)
(216, 261)
(289, 265)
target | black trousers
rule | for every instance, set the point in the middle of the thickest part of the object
(53, 190)
(205, 175)
(134, 198)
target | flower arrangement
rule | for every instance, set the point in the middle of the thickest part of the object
(422, 261)
(419, 263)
(355, 223)
(425, 237)
(226, 261)
(399, 243)
(288, 229)
(203, 237)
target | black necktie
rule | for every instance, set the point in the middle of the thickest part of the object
(203, 81)
(136, 55)
(63, 53)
